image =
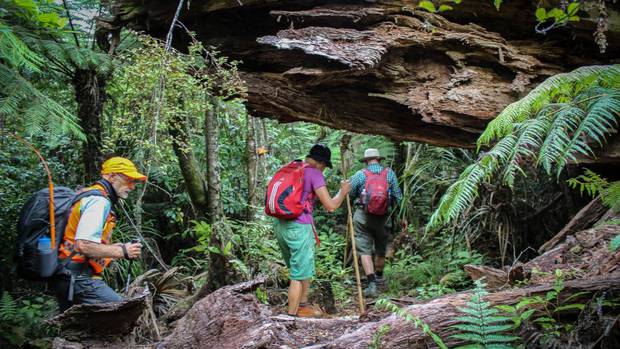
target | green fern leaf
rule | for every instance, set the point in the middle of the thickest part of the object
(599, 121)
(528, 107)
(8, 308)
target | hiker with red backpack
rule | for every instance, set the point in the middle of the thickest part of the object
(375, 187)
(291, 196)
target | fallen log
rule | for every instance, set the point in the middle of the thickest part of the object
(380, 67)
(583, 254)
(583, 219)
(494, 278)
(104, 321)
(440, 314)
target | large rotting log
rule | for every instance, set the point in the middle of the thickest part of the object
(440, 314)
(382, 67)
(104, 321)
(583, 219)
(231, 317)
(581, 254)
(227, 318)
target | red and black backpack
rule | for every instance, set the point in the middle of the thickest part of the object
(284, 191)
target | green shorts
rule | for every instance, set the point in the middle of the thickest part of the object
(296, 242)
(371, 237)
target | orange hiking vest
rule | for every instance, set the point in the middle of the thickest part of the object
(68, 241)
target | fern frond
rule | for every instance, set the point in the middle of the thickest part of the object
(73, 56)
(469, 310)
(564, 124)
(599, 121)
(8, 308)
(462, 193)
(481, 326)
(611, 196)
(34, 107)
(16, 53)
(528, 107)
(417, 322)
(531, 134)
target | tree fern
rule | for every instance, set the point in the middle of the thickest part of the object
(29, 110)
(482, 326)
(529, 106)
(552, 126)
(599, 120)
(36, 111)
(15, 52)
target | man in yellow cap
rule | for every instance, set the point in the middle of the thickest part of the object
(86, 239)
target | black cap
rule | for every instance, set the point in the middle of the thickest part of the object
(321, 153)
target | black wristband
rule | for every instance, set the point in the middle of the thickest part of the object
(125, 254)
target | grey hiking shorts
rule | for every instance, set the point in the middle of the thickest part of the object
(371, 237)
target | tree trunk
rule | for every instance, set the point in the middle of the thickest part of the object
(262, 159)
(214, 206)
(400, 159)
(252, 166)
(190, 168)
(219, 270)
(90, 97)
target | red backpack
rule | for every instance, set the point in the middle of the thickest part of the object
(283, 197)
(375, 196)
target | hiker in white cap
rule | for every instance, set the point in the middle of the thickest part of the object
(375, 188)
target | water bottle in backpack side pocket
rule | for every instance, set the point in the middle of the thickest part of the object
(47, 258)
(364, 198)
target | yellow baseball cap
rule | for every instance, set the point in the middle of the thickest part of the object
(123, 166)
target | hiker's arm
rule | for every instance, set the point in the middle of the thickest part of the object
(331, 204)
(97, 250)
(357, 183)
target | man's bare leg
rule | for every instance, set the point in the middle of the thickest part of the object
(294, 296)
(305, 286)
(367, 264)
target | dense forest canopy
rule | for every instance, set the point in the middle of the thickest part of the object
(499, 119)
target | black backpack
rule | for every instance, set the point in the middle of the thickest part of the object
(34, 223)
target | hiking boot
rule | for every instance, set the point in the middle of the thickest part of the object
(380, 280)
(371, 290)
(309, 311)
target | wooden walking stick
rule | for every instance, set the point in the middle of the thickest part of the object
(344, 145)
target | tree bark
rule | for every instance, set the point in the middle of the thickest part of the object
(441, 313)
(214, 206)
(584, 218)
(400, 159)
(231, 318)
(252, 166)
(190, 168)
(90, 96)
(219, 273)
(385, 67)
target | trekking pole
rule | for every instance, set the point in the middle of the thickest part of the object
(343, 148)
(133, 241)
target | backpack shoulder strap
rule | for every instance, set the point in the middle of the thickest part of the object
(87, 193)
(384, 172)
